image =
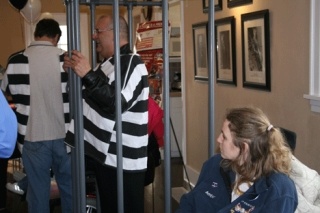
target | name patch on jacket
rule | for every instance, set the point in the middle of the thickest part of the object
(242, 207)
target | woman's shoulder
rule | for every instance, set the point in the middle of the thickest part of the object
(214, 160)
(278, 177)
(281, 182)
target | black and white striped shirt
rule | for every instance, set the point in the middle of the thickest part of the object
(16, 82)
(99, 126)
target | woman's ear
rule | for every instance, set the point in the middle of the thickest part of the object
(246, 147)
(245, 151)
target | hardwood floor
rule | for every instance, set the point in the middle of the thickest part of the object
(154, 193)
(176, 180)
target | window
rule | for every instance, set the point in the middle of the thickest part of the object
(314, 72)
(63, 42)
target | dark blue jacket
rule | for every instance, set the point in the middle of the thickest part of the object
(212, 193)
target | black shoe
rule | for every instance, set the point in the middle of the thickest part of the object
(4, 211)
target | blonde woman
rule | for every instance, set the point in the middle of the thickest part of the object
(250, 174)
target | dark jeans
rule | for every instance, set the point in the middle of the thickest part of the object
(133, 189)
(3, 182)
(3, 176)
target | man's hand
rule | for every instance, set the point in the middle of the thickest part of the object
(79, 64)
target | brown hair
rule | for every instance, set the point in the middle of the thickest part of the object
(47, 27)
(268, 151)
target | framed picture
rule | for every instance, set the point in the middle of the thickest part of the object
(200, 51)
(217, 5)
(235, 3)
(225, 51)
(256, 50)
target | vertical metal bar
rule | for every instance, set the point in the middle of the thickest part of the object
(71, 99)
(211, 69)
(94, 64)
(118, 106)
(130, 22)
(92, 27)
(166, 101)
(77, 154)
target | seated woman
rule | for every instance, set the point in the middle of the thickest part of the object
(250, 174)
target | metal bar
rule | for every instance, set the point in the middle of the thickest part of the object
(72, 100)
(93, 43)
(94, 64)
(77, 156)
(118, 105)
(166, 101)
(122, 3)
(130, 22)
(211, 69)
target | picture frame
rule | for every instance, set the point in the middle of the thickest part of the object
(236, 3)
(217, 5)
(256, 50)
(200, 51)
(226, 69)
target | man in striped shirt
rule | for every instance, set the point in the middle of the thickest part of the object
(100, 118)
(37, 83)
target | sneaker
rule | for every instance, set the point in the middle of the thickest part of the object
(13, 187)
(18, 175)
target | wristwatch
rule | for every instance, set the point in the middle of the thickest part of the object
(147, 12)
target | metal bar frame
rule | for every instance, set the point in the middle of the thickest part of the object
(73, 20)
(211, 71)
(76, 109)
(78, 166)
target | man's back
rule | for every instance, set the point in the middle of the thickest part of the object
(38, 86)
(46, 121)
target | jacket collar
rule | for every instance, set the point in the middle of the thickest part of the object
(124, 50)
(258, 188)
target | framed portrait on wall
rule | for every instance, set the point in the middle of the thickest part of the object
(225, 51)
(256, 50)
(217, 5)
(236, 3)
(200, 50)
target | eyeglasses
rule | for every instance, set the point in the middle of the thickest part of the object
(97, 31)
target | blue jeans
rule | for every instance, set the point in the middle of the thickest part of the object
(38, 158)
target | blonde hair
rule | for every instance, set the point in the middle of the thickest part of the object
(268, 151)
